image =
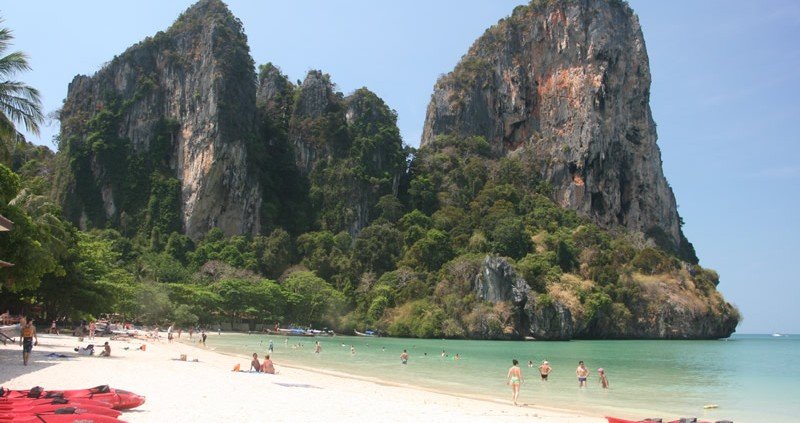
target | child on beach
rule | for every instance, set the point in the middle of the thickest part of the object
(514, 379)
(603, 378)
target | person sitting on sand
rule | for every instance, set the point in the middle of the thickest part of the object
(603, 378)
(255, 364)
(106, 350)
(582, 372)
(88, 350)
(267, 366)
(544, 369)
(514, 379)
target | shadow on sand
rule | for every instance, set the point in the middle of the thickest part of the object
(11, 361)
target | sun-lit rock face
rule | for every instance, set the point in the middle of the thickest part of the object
(163, 126)
(569, 80)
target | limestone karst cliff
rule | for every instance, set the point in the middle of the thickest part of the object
(158, 135)
(570, 81)
(535, 207)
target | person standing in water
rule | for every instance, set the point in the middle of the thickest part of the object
(29, 339)
(544, 369)
(603, 378)
(404, 357)
(582, 372)
(271, 347)
(514, 379)
(317, 347)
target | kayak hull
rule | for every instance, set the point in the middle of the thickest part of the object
(119, 399)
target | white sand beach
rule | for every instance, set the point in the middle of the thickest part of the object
(208, 391)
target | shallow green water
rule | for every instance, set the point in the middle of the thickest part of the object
(752, 378)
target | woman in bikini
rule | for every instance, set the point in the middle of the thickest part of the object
(514, 379)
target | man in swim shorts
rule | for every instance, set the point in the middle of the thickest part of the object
(514, 379)
(27, 341)
(582, 372)
(404, 357)
(544, 369)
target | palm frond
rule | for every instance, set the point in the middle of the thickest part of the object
(13, 63)
(21, 103)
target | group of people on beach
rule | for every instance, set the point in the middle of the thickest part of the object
(515, 379)
(265, 366)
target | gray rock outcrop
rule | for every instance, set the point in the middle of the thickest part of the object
(197, 77)
(548, 320)
(569, 80)
(498, 281)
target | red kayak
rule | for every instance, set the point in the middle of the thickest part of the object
(6, 403)
(59, 409)
(118, 398)
(618, 420)
(61, 418)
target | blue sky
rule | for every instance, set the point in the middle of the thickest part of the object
(726, 85)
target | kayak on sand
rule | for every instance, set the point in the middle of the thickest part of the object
(118, 398)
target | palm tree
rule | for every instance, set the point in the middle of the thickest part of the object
(19, 103)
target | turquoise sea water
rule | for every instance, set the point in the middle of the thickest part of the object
(752, 378)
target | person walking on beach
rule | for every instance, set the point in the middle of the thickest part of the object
(29, 339)
(514, 379)
(404, 357)
(54, 328)
(92, 329)
(603, 378)
(544, 369)
(204, 336)
(582, 372)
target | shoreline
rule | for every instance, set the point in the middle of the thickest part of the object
(202, 391)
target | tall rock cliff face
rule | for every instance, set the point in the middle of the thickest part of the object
(570, 81)
(157, 138)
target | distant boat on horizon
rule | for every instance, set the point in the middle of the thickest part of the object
(777, 334)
